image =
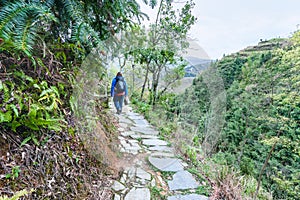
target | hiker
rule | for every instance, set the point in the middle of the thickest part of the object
(118, 91)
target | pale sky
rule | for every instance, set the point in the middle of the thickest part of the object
(227, 26)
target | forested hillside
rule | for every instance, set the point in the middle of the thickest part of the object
(239, 122)
(261, 134)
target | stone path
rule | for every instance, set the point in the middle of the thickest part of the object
(143, 152)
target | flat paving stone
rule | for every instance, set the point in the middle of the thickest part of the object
(121, 129)
(162, 154)
(117, 197)
(144, 130)
(137, 136)
(138, 194)
(131, 171)
(166, 164)
(125, 120)
(161, 149)
(134, 116)
(123, 125)
(142, 174)
(141, 122)
(188, 197)
(127, 133)
(154, 142)
(117, 186)
(182, 180)
(132, 150)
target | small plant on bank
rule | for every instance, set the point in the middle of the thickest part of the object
(157, 193)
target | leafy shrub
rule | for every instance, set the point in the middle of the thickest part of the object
(29, 103)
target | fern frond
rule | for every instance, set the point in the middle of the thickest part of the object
(82, 32)
(25, 39)
(85, 35)
(20, 23)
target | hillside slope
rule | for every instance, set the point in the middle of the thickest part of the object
(261, 134)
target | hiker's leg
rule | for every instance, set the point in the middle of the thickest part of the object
(121, 100)
(116, 102)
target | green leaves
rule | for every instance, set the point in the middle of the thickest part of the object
(21, 22)
(262, 89)
(31, 104)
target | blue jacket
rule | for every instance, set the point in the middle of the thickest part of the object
(112, 89)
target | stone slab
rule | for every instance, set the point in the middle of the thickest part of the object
(117, 197)
(137, 136)
(138, 194)
(143, 130)
(154, 142)
(130, 171)
(141, 122)
(123, 125)
(188, 197)
(117, 186)
(183, 180)
(121, 129)
(161, 149)
(162, 154)
(134, 116)
(125, 120)
(127, 133)
(142, 174)
(166, 164)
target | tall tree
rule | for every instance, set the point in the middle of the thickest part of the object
(166, 40)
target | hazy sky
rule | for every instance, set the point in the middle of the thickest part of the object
(227, 26)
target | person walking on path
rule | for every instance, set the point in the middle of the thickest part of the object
(118, 91)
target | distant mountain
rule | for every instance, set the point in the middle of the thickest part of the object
(195, 50)
(196, 65)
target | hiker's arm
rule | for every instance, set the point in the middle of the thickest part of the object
(126, 89)
(112, 89)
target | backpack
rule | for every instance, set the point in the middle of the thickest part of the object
(120, 85)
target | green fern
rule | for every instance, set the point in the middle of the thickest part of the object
(31, 104)
(20, 23)
(82, 32)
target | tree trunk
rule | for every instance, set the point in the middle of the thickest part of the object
(155, 85)
(264, 167)
(144, 84)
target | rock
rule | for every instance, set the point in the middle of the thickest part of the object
(123, 125)
(154, 142)
(142, 136)
(162, 154)
(117, 197)
(134, 116)
(127, 133)
(129, 146)
(153, 183)
(183, 180)
(143, 130)
(141, 122)
(161, 149)
(138, 194)
(142, 174)
(117, 186)
(131, 173)
(166, 164)
(123, 178)
(125, 120)
(121, 129)
(188, 197)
